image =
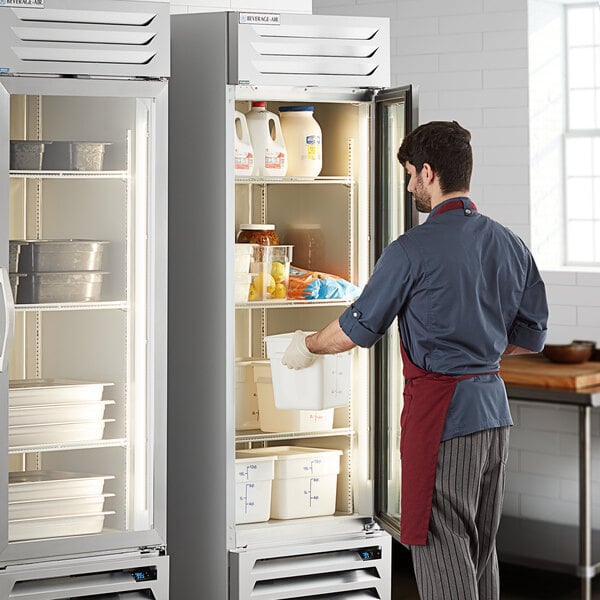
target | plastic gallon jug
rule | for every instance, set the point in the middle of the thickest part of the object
(303, 140)
(270, 155)
(242, 151)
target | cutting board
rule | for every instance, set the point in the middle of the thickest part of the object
(538, 371)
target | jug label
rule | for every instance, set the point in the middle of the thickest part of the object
(244, 162)
(274, 161)
(313, 147)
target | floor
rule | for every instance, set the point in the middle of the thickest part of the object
(516, 583)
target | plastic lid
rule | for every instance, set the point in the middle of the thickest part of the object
(258, 104)
(296, 108)
(257, 226)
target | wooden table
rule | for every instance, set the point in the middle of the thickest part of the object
(547, 545)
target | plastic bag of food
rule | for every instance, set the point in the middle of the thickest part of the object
(314, 285)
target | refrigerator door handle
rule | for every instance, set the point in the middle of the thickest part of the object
(9, 318)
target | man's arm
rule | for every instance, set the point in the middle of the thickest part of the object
(511, 349)
(329, 340)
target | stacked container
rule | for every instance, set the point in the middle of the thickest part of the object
(54, 411)
(253, 480)
(305, 480)
(57, 270)
(55, 504)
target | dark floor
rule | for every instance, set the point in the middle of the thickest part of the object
(516, 583)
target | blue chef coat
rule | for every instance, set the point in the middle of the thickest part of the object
(463, 287)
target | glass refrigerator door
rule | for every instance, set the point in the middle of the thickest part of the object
(395, 114)
(83, 247)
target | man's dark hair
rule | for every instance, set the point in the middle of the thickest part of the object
(446, 147)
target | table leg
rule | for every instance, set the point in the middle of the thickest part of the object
(585, 521)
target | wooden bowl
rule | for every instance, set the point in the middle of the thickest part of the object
(575, 352)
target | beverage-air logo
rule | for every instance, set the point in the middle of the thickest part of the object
(22, 3)
(260, 18)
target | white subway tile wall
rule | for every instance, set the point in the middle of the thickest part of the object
(470, 61)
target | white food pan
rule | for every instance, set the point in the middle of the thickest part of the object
(46, 485)
(25, 392)
(56, 433)
(56, 413)
(59, 526)
(76, 505)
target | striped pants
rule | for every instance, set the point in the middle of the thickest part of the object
(459, 561)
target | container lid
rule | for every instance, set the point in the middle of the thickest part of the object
(257, 226)
(258, 105)
(296, 108)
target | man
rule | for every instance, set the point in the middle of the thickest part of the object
(465, 291)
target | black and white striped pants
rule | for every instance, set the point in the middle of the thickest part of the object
(459, 561)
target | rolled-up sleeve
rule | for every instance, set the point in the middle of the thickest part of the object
(529, 327)
(382, 298)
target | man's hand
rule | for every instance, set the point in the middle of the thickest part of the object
(297, 355)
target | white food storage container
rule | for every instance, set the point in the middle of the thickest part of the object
(56, 413)
(45, 485)
(325, 384)
(305, 480)
(272, 419)
(242, 287)
(59, 526)
(246, 397)
(56, 433)
(253, 478)
(25, 392)
(30, 509)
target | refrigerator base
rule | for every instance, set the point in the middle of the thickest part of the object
(123, 576)
(357, 567)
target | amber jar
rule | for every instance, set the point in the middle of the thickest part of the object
(260, 233)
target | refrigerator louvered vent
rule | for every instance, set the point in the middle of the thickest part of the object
(340, 573)
(116, 41)
(319, 50)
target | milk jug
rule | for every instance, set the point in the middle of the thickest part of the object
(242, 150)
(270, 156)
(303, 140)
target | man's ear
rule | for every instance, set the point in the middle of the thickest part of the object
(427, 173)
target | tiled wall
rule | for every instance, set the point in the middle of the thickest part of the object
(470, 61)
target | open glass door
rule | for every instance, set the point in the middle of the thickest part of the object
(395, 116)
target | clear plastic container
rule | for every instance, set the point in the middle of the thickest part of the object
(270, 273)
(303, 140)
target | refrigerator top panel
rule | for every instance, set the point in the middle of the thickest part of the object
(106, 38)
(309, 50)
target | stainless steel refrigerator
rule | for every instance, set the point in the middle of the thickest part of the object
(221, 62)
(83, 240)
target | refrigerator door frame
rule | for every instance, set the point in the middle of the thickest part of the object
(156, 325)
(383, 235)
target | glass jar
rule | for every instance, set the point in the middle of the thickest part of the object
(263, 234)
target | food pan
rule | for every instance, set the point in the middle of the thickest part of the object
(56, 433)
(44, 256)
(26, 155)
(75, 156)
(27, 392)
(56, 413)
(79, 286)
(68, 505)
(14, 250)
(14, 282)
(59, 526)
(44, 485)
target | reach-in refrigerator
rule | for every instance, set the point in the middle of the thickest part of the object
(83, 240)
(337, 223)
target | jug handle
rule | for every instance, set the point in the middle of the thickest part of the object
(278, 131)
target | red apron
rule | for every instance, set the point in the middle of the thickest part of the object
(426, 399)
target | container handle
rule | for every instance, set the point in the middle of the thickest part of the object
(9, 321)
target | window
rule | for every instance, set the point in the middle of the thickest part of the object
(582, 135)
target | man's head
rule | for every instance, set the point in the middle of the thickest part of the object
(440, 152)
